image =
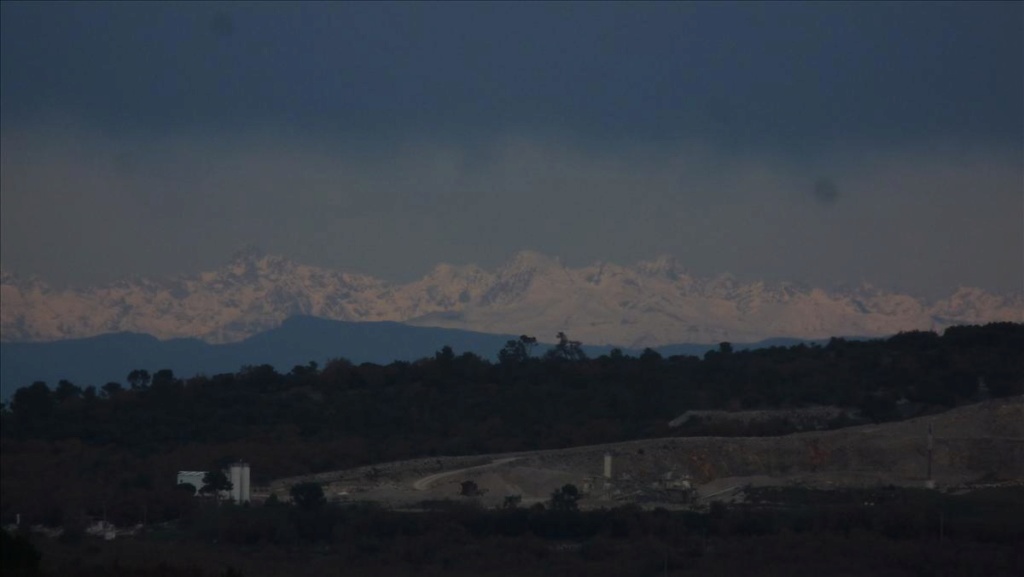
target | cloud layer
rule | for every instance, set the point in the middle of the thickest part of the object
(820, 142)
(80, 206)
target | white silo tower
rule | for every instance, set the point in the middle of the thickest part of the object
(235, 474)
(245, 494)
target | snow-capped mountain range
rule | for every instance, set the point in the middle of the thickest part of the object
(649, 304)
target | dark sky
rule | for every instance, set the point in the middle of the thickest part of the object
(817, 142)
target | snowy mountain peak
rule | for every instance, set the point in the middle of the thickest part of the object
(653, 302)
(663, 266)
(973, 304)
(445, 271)
(251, 263)
(12, 281)
(530, 261)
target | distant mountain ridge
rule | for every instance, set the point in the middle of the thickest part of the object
(651, 303)
(110, 357)
(297, 341)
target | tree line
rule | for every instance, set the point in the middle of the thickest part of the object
(123, 442)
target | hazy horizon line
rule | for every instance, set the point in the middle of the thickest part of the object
(256, 252)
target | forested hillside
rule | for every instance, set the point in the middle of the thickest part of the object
(124, 443)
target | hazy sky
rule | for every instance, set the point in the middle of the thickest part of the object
(823, 142)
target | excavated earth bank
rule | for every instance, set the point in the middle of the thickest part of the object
(975, 444)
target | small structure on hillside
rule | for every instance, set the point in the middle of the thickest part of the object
(194, 478)
(238, 474)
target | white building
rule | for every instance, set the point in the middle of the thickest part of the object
(194, 478)
(238, 474)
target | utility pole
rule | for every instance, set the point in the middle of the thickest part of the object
(930, 483)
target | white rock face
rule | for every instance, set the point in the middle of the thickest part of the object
(651, 303)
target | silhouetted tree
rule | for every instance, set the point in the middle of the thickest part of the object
(567, 350)
(66, 390)
(565, 499)
(215, 481)
(445, 356)
(112, 389)
(33, 403)
(650, 356)
(163, 377)
(308, 496)
(138, 379)
(517, 351)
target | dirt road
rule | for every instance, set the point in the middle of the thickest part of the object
(424, 483)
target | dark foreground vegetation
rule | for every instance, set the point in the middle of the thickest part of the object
(73, 453)
(792, 532)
